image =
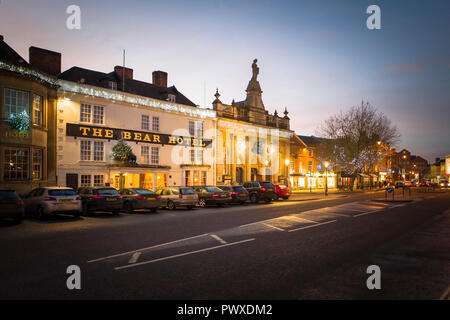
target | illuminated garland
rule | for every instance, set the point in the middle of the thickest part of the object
(122, 152)
(28, 72)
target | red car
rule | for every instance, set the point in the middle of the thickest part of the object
(282, 191)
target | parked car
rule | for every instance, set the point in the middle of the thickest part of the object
(260, 191)
(173, 197)
(52, 200)
(100, 199)
(209, 195)
(282, 191)
(399, 184)
(140, 198)
(11, 206)
(238, 193)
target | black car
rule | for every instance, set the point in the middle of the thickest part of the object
(238, 193)
(208, 195)
(140, 198)
(260, 191)
(11, 206)
(100, 199)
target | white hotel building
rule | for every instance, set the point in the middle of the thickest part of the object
(171, 138)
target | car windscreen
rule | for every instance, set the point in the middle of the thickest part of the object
(62, 192)
(187, 191)
(213, 189)
(142, 191)
(107, 192)
(8, 195)
(268, 185)
(239, 189)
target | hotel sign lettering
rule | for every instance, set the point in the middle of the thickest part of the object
(83, 131)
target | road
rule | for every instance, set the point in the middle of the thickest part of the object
(314, 247)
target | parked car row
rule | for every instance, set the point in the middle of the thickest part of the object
(88, 200)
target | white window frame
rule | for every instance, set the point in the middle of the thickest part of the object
(90, 115)
(96, 153)
(7, 106)
(87, 182)
(155, 124)
(40, 121)
(100, 182)
(40, 163)
(145, 155)
(154, 155)
(145, 122)
(83, 151)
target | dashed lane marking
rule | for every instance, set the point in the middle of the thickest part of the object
(218, 238)
(182, 254)
(147, 248)
(134, 257)
(271, 226)
(312, 226)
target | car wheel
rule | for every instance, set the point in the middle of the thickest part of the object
(170, 205)
(276, 197)
(128, 207)
(286, 198)
(18, 220)
(202, 203)
(40, 212)
(254, 198)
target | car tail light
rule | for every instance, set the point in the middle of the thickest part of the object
(158, 197)
(263, 189)
(120, 196)
(180, 196)
(20, 203)
(140, 198)
(215, 195)
(50, 199)
(98, 197)
(235, 192)
(78, 198)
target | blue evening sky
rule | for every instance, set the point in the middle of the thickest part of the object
(315, 57)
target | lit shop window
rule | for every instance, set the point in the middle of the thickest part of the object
(37, 164)
(16, 162)
(161, 180)
(15, 102)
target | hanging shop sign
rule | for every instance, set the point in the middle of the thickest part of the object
(83, 131)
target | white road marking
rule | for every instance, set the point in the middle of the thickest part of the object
(312, 226)
(362, 214)
(218, 238)
(147, 248)
(271, 226)
(135, 257)
(300, 218)
(182, 254)
(337, 214)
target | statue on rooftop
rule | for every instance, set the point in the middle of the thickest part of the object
(255, 70)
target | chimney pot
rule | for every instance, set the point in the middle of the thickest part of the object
(128, 72)
(45, 60)
(160, 78)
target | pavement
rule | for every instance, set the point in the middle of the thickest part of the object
(309, 247)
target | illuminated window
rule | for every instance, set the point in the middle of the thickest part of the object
(15, 102)
(187, 178)
(16, 163)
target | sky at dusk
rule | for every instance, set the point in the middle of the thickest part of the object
(315, 57)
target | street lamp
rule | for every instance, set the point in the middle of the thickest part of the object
(326, 177)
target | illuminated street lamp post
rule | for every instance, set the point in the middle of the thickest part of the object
(326, 177)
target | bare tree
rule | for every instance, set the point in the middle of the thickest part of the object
(352, 139)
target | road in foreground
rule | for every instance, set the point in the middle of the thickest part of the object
(287, 250)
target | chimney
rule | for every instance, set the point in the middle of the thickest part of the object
(45, 60)
(128, 72)
(160, 78)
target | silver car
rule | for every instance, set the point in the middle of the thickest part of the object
(172, 197)
(52, 200)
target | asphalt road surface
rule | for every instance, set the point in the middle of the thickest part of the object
(309, 248)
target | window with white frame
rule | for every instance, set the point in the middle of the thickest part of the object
(196, 128)
(16, 161)
(85, 180)
(171, 98)
(85, 150)
(37, 164)
(145, 122)
(99, 114)
(38, 111)
(85, 112)
(99, 180)
(155, 124)
(15, 102)
(196, 156)
(99, 150)
(145, 154)
(155, 155)
(92, 114)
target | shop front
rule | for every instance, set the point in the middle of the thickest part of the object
(138, 177)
